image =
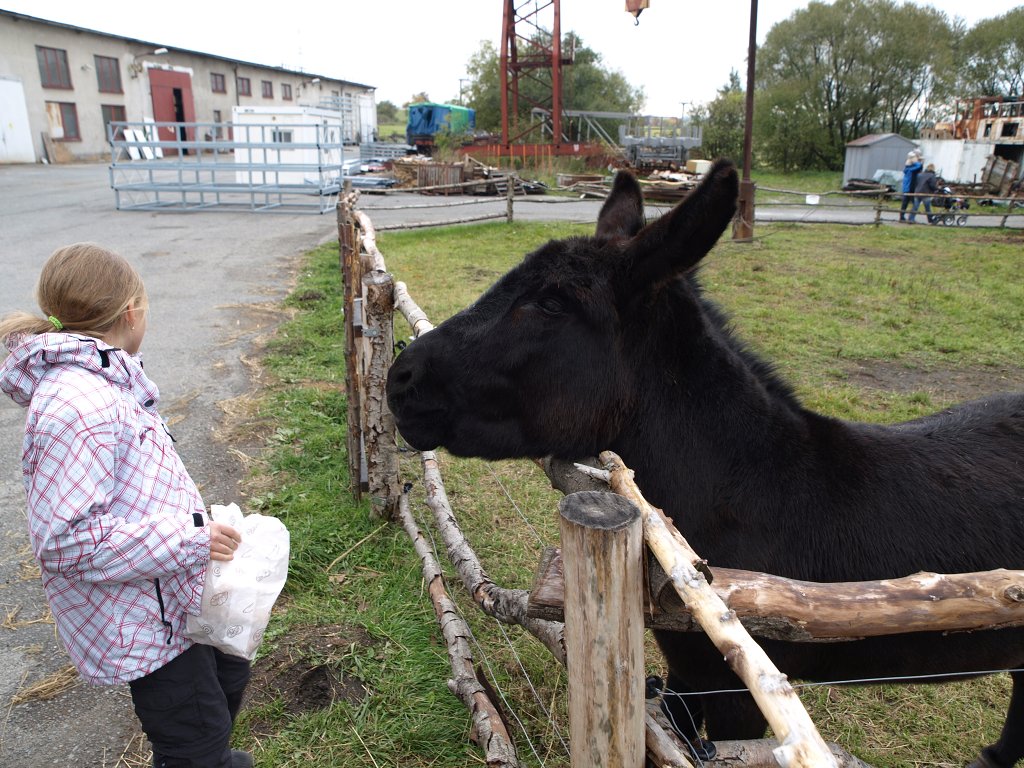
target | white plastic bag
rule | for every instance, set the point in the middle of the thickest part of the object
(239, 594)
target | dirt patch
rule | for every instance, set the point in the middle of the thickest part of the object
(948, 385)
(304, 672)
(309, 297)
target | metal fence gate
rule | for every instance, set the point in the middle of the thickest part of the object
(277, 166)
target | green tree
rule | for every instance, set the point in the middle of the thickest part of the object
(587, 84)
(787, 136)
(387, 112)
(722, 121)
(993, 57)
(484, 90)
(835, 72)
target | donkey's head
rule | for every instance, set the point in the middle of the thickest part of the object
(546, 361)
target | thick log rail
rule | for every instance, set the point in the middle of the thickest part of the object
(766, 605)
(789, 609)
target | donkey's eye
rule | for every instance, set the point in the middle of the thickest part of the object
(550, 305)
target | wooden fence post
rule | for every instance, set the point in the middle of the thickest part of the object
(379, 429)
(602, 544)
(352, 274)
(510, 191)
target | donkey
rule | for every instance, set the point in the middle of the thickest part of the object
(609, 342)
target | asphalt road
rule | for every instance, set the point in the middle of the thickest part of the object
(213, 279)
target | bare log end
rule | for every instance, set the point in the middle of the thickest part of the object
(1014, 593)
(598, 510)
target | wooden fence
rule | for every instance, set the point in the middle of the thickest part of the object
(603, 519)
(857, 208)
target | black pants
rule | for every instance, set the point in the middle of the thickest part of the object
(903, 206)
(187, 707)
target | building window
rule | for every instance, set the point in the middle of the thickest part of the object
(53, 67)
(113, 113)
(279, 136)
(108, 74)
(244, 86)
(63, 118)
(217, 83)
(268, 89)
(286, 91)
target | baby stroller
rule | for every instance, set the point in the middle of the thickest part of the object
(947, 208)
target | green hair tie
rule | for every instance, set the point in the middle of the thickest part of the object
(56, 323)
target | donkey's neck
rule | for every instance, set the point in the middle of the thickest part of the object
(710, 423)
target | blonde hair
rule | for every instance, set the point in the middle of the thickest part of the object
(86, 287)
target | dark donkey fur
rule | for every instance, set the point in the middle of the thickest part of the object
(608, 342)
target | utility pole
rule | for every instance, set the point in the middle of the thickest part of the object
(743, 230)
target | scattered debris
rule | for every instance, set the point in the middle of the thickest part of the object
(49, 687)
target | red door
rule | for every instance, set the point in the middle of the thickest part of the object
(172, 103)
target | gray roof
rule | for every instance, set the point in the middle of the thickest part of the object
(875, 138)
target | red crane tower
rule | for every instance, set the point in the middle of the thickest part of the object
(526, 46)
(531, 41)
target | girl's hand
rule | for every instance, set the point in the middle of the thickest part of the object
(224, 540)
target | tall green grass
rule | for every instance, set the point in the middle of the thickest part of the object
(876, 324)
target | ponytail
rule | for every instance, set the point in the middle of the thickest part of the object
(83, 288)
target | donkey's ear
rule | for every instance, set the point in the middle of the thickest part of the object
(677, 241)
(622, 214)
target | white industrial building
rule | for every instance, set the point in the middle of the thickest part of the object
(61, 87)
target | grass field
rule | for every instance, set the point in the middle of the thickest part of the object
(874, 324)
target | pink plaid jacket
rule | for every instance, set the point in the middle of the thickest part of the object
(116, 523)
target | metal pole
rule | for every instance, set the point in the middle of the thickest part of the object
(507, 27)
(556, 76)
(744, 228)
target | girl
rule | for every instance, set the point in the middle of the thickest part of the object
(116, 523)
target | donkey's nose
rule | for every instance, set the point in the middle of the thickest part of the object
(401, 380)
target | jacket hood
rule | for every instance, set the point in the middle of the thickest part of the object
(31, 357)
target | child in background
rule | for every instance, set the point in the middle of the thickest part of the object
(116, 523)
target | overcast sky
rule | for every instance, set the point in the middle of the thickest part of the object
(679, 52)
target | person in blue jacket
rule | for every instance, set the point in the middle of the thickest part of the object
(911, 168)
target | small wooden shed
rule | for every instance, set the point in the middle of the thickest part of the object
(876, 151)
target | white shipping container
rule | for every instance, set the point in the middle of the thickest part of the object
(958, 161)
(298, 146)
